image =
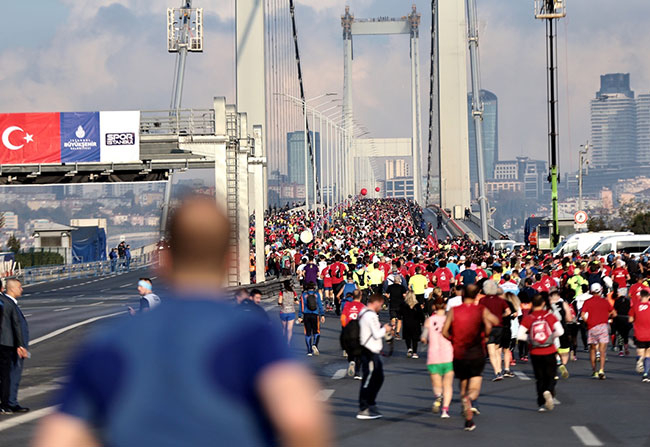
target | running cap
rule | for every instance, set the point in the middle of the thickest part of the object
(596, 287)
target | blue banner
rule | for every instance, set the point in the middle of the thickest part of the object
(80, 137)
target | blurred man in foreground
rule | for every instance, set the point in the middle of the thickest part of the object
(198, 371)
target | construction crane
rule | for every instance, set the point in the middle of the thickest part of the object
(551, 11)
(477, 112)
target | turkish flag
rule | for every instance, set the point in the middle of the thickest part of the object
(28, 138)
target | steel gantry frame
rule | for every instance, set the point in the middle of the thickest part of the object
(385, 26)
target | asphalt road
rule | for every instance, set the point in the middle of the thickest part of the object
(431, 217)
(592, 412)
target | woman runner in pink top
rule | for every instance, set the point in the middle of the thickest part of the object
(439, 359)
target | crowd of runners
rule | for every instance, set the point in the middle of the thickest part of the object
(455, 302)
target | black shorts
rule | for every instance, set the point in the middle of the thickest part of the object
(642, 344)
(467, 368)
(565, 343)
(506, 335)
(496, 336)
(395, 313)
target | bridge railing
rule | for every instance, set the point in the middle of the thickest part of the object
(493, 233)
(177, 122)
(140, 257)
(450, 223)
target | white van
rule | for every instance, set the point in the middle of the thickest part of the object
(634, 244)
(583, 241)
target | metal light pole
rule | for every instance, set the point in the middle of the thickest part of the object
(583, 161)
(552, 10)
(183, 35)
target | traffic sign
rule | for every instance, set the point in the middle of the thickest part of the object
(580, 217)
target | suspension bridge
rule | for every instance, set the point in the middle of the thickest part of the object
(273, 136)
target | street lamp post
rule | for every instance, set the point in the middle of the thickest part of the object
(583, 161)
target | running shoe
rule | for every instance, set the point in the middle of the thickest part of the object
(409, 353)
(639, 365)
(316, 351)
(444, 414)
(309, 354)
(367, 414)
(351, 367)
(621, 354)
(601, 375)
(541, 410)
(498, 377)
(415, 356)
(437, 404)
(508, 373)
(470, 426)
(475, 409)
(594, 375)
(548, 400)
(645, 379)
(513, 362)
(358, 378)
(563, 371)
(345, 354)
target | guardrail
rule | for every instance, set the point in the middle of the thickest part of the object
(141, 257)
(269, 288)
(177, 122)
(493, 233)
(449, 222)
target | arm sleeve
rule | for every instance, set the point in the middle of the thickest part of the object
(522, 335)
(558, 330)
(16, 328)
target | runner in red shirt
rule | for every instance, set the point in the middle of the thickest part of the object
(539, 285)
(549, 283)
(540, 328)
(465, 326)
(498, 337)
(640, 316)
(621, 276)
(443, 277)
(636, 288)
(596, 311)
(351, 312)
(337, 273)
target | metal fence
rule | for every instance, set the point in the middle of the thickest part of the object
(143, 256)
(181, 122)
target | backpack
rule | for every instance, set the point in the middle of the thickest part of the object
(350, 341)
(540, 334)
(312, 301)
(287, 263)
(362, 278)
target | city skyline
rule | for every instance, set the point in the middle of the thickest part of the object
(512, 59)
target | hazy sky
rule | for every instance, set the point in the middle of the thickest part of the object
(70, 55)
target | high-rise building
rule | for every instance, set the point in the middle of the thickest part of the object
(614, 123)
(296, 159)
(643, 130)
(490, 136)
(396, 168)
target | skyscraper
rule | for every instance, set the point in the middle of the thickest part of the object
(643, 130)
(614, 123)
(296, 159)
(490, 136)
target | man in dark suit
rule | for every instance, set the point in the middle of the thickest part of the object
(14, 340)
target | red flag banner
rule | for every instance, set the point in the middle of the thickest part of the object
(30, 138)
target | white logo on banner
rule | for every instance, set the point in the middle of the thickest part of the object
(120, 136)
(80, 133)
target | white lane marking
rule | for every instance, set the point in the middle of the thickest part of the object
(28, 315)
(37, 390)
(521, 375)
(79, 296)
(105, 290)
(72, 326)
(96, 304)
(27, 417)
(339, 374)
(324, 395)
(63, 309)
(585, 435)
(154, 277)
(125, 285)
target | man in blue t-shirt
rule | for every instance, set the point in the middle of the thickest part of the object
(197, 371)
